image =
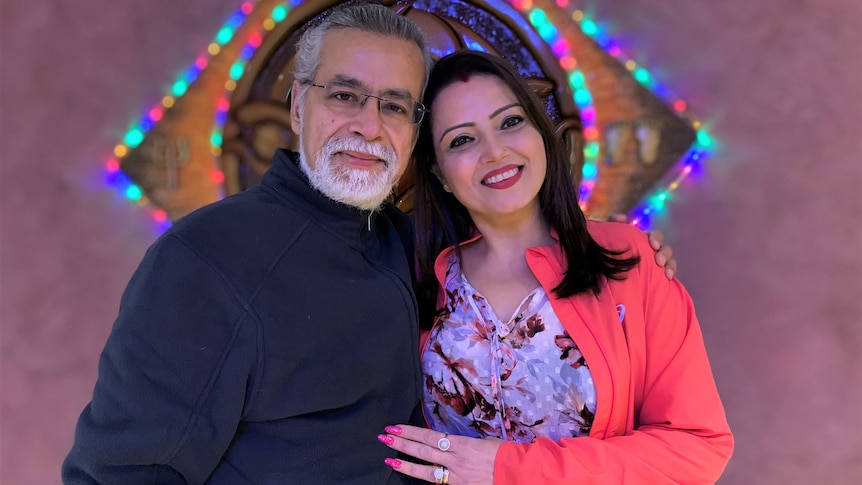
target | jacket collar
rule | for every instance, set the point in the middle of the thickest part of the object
(441, 263)
(288, 182)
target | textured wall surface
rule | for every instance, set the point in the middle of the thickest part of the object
(770, 240)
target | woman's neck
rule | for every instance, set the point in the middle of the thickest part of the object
(496, 265)
(511, 235)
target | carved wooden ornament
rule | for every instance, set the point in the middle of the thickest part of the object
(641, 138)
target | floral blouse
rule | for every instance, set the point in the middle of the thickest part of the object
(514, 380)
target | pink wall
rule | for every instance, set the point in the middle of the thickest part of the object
(770, 241)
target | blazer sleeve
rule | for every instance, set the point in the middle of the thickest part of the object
(172, 377)
(680, 435)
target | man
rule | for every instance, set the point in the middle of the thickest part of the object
(269, 337)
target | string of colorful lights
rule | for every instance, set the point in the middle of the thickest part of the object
(537, 17)
(695, 155)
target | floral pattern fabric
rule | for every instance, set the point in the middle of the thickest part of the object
(514, 380)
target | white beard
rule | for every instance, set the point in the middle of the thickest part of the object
(363, 189)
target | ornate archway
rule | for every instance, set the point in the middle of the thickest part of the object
(622, 137)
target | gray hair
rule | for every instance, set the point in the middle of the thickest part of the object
(367, 18)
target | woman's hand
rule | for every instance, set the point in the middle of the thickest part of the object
(468, 461)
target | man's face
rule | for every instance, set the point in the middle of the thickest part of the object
(356, 155)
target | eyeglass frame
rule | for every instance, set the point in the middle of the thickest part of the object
(419, 109)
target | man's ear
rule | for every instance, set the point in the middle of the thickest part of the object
(294, 93)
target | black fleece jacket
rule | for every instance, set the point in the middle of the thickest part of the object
(266, 338)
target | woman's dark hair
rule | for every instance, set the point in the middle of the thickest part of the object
(441, 221)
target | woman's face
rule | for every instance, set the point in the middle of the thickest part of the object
(488, 153)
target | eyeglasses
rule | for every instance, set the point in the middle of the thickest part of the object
(395, 111)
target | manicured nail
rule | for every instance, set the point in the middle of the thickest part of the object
(385, 439)
(396, 464)
(393, 429)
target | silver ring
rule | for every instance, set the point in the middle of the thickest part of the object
(439, 473)
(443, 444)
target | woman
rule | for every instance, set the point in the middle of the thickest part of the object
(599, 374)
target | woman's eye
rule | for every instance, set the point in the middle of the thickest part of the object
(512, 121)
(459, 140)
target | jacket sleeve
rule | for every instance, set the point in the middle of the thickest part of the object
(172, 377)
(680, 436)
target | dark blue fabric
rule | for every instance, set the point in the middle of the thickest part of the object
(266, 338)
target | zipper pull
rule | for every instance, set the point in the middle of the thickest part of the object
(369, 220)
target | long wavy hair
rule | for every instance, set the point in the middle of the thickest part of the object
(442, 221)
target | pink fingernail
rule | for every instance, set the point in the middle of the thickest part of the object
(393, 429)
(396, 464)
(385, 439)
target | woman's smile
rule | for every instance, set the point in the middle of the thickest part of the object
(503, 178)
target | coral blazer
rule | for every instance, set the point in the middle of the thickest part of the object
(659, 419)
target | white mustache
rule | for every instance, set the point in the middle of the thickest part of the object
(335, 145)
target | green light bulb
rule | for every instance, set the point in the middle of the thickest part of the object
(180, 88)
(134, 138)
(576, 79)
(134, 192)
(279, 13)
(582, 97)
(224, 35)
(537, 17)
(704, 139)
(643, 76)
(589, 27)
(236, 71)
(657, 201)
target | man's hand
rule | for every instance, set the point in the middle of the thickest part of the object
(663, 253)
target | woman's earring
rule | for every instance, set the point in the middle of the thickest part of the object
(436, 171)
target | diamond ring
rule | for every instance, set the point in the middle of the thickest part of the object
(439, 473)
(443, 443)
